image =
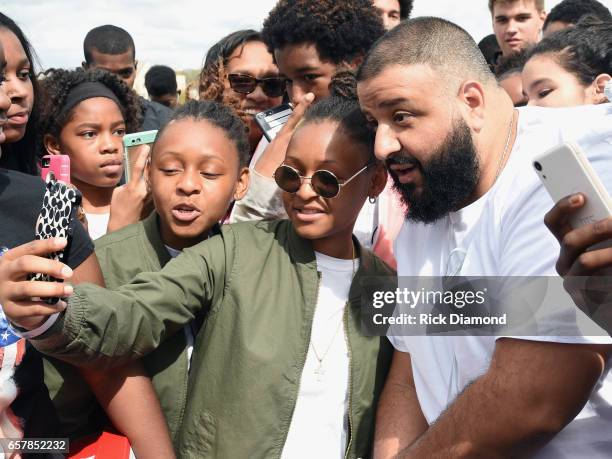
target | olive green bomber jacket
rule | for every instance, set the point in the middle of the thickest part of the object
(122, 255)
(258, 284)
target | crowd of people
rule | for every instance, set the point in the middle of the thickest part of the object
(211, 304)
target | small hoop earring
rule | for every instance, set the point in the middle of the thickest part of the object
(372, 199)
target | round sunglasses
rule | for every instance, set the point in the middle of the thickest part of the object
(246, 84)
(323, 182)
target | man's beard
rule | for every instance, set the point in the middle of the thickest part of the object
(448, 179)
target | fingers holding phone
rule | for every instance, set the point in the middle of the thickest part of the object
(274, 154)
(22, 299)
(130, 202)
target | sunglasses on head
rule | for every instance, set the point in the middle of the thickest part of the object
(323, 182)
(246, 84)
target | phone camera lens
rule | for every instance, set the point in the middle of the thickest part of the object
(538, 166)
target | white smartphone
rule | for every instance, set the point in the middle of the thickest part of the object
(131, 149)
(271, 121)
(565, 170)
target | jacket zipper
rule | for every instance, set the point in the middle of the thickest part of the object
(297, 394)
(350, 385)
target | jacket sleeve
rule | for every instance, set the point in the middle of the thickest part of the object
(102, 328)
(263, 201)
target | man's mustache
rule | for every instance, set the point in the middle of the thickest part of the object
(402, 159)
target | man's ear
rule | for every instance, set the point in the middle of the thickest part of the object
(51, 145)
(472, 102)
(135, 64)
(599, 85)
(85, 65)
(242, 185)
(542, 15)
(379, 180)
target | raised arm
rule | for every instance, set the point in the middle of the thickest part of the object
(102, 328)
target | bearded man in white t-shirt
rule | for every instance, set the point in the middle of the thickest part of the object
(461, 155)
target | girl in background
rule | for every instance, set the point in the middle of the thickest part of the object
(85, 116)
(570, 67)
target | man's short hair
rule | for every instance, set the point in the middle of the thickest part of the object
(160, 80)
(571, 11)
(108, 39)
(444, 46)
(340, 30)
(539, 4)
(405, 8)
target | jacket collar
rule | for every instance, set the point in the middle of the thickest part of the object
(154, 242)
(153, 239)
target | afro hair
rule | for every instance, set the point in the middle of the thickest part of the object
(341, 31)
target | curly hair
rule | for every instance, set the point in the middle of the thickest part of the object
(340, 31)
(219, 115)
(22, 155)
(58, 84)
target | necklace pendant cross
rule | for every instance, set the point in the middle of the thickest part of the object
(320, 372)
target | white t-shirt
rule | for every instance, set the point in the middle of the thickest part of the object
(97, 224)
(320, 422)
(503, 234)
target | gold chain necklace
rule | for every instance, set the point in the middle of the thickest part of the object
(319, 371)
(505, 152)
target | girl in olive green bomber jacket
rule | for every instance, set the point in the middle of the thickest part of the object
(197, 167)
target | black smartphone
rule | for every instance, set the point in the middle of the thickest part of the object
(271, 121)
(59, 208)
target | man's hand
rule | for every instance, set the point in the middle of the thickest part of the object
(587, 273)
(19, 297)
(274, 154)
(131, 202)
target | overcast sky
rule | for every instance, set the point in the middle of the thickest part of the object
(179, 32)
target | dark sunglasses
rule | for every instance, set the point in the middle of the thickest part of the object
(323, 182)
(246, 84)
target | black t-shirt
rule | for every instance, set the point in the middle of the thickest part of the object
(155, 115)
(21, 198)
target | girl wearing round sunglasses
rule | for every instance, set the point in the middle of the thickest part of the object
(280, 355)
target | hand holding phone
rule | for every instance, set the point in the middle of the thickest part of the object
(59, 207)
(132, 149)
(132, 201)
(274, 153)
(271, 121)
(565, 170)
